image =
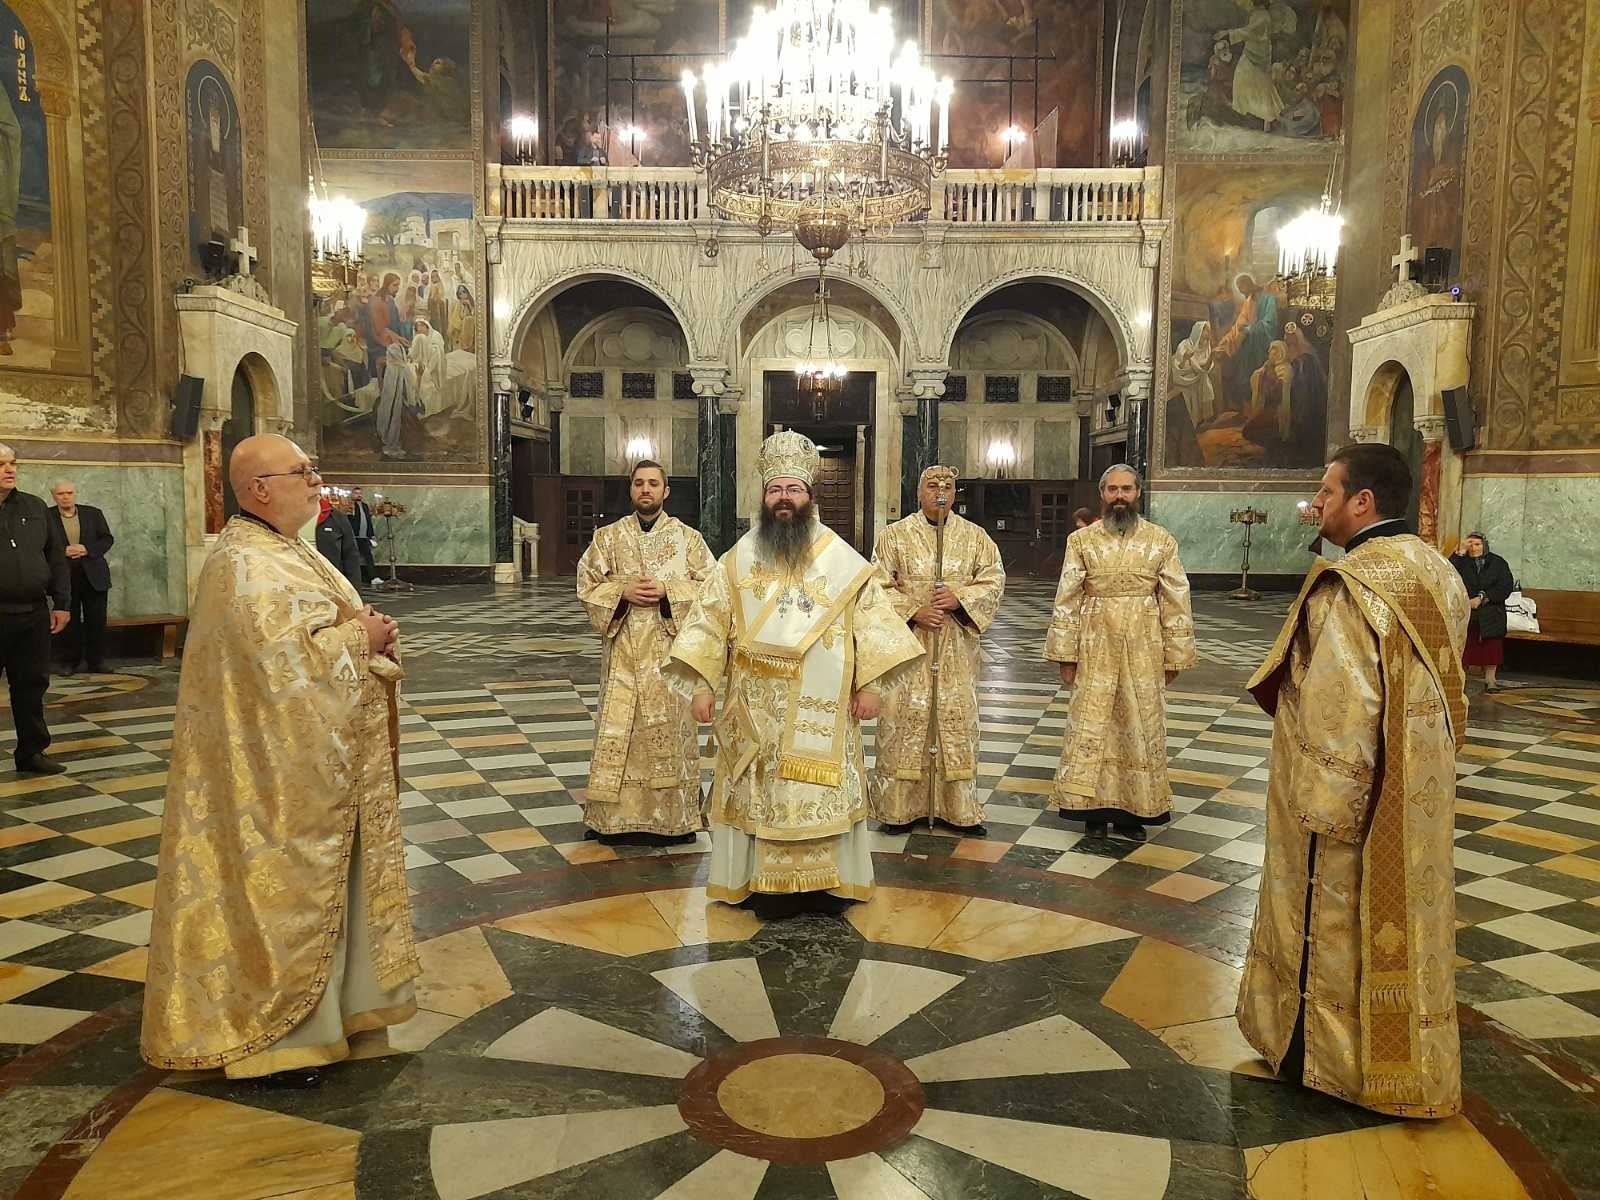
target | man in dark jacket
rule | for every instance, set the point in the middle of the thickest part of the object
(35, 601)
(337, 541)
(87, 537)
(366, 532)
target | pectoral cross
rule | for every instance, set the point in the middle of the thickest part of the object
(243, 250)
(1408, 254)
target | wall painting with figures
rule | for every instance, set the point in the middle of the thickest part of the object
(1438, 165)
(27, 252)
(1260, 76)
(1247, 383)
(216, 165)
(395, 74)
(398, 378)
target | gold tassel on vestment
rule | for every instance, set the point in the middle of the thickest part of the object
(1390, 997)
(769, 666)
(810, 770)
(1391, 1087)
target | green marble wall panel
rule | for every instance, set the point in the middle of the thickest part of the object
(585, 439)
(685, 446)
(1210, 544)
(143, 504)
(953, 445)
(1543, 526)
(1053, 444)
(444, 526)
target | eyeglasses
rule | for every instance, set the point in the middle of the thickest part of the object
(793, 492)
(305, 472)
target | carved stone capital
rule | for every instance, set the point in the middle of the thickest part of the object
(248, 285)
(927, 383)
(1365, 434)
(710, 379)
(1431, 428)
(1151, 234)
(213, 419)
(503, 376)
(731, 401)
(931, 255)
(555, 396)
(282, 426)
(1134, 383)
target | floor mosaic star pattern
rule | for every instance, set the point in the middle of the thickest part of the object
(496, 732)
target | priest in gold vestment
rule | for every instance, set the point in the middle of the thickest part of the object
(948, 609)
(1122, 630)
(638, 580)
(281, 923)
(801, 640)
(1357, 908)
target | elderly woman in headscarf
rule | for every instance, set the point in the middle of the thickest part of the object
(1489, 584)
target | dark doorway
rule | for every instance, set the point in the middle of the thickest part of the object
(241, 423)
(841, 426)
(1403, 436)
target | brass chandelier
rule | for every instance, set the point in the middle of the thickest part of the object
(821, 378)
(813, 125)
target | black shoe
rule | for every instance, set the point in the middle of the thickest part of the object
(591, 835)
(1132, 833)
(1094, 829)
(896, 830)
(682, 839)
(972, 831)
(40, 764)
(302, 1079)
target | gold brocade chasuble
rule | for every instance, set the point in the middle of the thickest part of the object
(790, 651)
(1122, 615)
(644, 731)
(285, 739)
(1367, 691)
(904, 556)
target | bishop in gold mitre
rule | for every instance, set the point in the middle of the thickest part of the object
(800, 640)
(1121, 632)
(1349, 982)
(282, 924)
(947, 589)
(637, 580)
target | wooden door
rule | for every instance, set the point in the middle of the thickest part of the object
(836, 495)
(1051, 525)
(581, 516)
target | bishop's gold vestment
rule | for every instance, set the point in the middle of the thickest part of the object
(1122, 615)
(788, 799)
(645, 776)
(1357, 907)
(283, 763)
(904, 556)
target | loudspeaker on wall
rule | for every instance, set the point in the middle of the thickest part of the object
(186, 406)
(1458, 419)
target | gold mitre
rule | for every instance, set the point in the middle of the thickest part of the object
(940, 476)
(789, 455)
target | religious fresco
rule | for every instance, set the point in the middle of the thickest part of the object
(1261, 76)
(391, 74)
(644, 92)
(27, 253)
(986, 103)
(398, 379)
(1247, 384)
(216, 162)
(1438, 165)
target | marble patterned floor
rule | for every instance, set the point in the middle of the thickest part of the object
(1032, 1014)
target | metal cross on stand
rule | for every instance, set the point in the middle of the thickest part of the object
(1402, 262)
(241, 248)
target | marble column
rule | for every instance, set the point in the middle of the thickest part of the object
(927, 385)
(1134, 384)
(1431, 430)
(716, 486)
(500, 481)
(211, 449)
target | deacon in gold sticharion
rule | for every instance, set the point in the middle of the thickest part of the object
(638, 579)
(801, 640)
(282, 923)
(1350, 981)
(948, 589)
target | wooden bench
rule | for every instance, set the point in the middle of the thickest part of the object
(1567, 618)
(171, 626)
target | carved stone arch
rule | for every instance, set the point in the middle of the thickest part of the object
(596, 325)
(522, 317)
(1110, 311)
(903, 338)
(1054, 338)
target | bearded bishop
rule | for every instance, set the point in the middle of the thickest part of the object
(282, 923)
(801, 641)
(1121, 631)
(638, 579)
(947, 588)
(1349, 983)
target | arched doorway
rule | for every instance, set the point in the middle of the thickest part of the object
(241, 423)
(1403, 436)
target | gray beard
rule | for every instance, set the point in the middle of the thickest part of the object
(1121, 522)
(784, 543)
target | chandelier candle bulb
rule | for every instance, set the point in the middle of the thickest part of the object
(688, 100)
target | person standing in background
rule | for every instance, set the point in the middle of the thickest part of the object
(87, 537)
(35, 602)
(1488, 581)
(337, 541)
(366, 531)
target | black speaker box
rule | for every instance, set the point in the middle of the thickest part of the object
(186, 406)
(1458, 419)
(1435, 266)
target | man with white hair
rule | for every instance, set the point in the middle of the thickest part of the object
(35, 602)
(800, 637)
(87, 537)
(1121, 632)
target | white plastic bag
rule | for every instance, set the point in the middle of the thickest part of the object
(1522, 614)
